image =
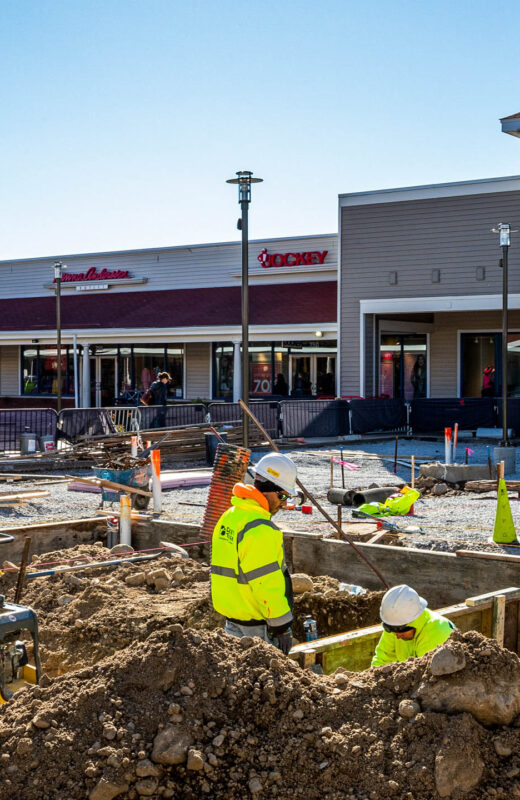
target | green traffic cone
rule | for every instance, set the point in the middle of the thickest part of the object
(504, 530)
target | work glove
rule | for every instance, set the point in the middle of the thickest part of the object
(285, 641)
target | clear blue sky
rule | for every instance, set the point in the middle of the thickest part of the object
(122, 119)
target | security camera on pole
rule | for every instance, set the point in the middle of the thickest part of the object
(505, 452)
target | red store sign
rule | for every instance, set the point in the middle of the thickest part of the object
(93, 275)
(291, 259)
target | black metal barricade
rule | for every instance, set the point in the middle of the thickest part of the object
(77, 423)
(317, 418)
(173, 416)
(513, 414)
(14, 422)
(432, 415)
(377, 414)
(266, 411)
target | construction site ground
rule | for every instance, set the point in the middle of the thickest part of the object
(144, 695)
(447, 522)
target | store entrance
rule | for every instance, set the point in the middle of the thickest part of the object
(103, 386)
(403, 368)
(312, 375)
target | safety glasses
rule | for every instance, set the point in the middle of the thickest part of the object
(282, 495)
(396, 628)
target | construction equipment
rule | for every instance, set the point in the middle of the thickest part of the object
(15, 670)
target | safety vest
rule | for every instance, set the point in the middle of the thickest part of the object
(397, 504)
(249, 580)
(431, 630)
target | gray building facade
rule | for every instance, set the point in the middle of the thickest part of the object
(420, 290)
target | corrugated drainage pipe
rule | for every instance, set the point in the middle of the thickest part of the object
(378, 495)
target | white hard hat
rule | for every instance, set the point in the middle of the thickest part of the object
(401, 605)
(278, 469)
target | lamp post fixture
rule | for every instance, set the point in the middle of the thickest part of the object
(504, 231)
(244, 180)
(58, 266)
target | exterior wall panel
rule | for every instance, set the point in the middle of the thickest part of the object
(198, 356)
(9, 370)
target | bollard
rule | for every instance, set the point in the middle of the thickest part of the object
(125, 521)
(133, 445)
(447, 445)
(156, 481)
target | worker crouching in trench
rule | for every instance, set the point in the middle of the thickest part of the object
(410, 629)
(250, 583)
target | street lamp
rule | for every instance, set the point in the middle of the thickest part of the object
(58, 266)
(244, 180)
(504, 231)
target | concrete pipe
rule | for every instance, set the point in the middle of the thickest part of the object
(378, 495)
(340, 497)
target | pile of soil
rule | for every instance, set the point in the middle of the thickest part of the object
(189, 714)
(335, 611)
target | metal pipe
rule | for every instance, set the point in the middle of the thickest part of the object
(320, 508)
(76, 376)
(96, 565)
(505, 326)
(5, 538)
(245, 319)
(125, 521)
(58, 339)
(156, 481)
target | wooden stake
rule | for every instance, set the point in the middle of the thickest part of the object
(342, 468)
(339, 517)
(499, 615)
(23, 568)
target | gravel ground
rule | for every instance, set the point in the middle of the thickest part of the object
(447, 522)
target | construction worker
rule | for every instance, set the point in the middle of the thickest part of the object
(250, 583)
(410, 629)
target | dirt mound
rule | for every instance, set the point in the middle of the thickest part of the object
(335, 611)
(191, 714)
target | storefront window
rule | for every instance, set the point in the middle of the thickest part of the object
(280, 369)
(223, 371)
(403, 368)
(40, 370)
(175, 366)
(481, 363)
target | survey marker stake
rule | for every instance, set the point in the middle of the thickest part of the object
(313, 500)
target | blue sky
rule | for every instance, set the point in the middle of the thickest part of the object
(121, 120)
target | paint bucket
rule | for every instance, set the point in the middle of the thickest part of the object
(28, 443)
(47, 443)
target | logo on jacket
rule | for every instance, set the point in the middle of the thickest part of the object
(226, 533)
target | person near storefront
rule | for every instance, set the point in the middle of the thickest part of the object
(250, 583)
(159, 390)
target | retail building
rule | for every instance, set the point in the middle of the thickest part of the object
(420, 290)
(179, 308)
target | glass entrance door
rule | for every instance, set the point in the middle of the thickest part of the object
(103, 385)
(403, 368)
(312, 375)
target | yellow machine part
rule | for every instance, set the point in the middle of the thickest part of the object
(29, 676)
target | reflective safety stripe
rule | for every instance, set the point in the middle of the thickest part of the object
(259, 572)
(245, 577)
(276, 621)
(254, 524)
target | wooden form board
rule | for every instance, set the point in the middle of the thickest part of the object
(443, 578)
(495, 616)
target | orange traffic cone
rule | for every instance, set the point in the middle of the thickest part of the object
(504, 530)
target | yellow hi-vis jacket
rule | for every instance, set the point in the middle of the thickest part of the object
(431, 630)
(249, 580)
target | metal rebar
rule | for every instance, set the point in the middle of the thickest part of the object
(320, 508)
(23, 569)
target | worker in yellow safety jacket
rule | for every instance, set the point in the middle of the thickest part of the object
(410, 629)
(250, 583)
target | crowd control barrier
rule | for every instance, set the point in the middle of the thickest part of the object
(266, 411)
(173, 416)
(14, 422)
(77, 423)
(513, 414)
(371, 416)
(321, 418)
(434, 414)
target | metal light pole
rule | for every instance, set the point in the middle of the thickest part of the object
(58, 266)
(504, 231)
(244, 180)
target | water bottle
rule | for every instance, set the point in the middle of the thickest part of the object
(310, 628)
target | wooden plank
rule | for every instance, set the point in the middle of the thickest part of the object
(488, 556)
(379, 535)
(4, 498)
(122, 487)
(499, 613)
(309, 658)
(512, 593)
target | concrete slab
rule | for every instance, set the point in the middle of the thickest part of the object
(454, 473)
